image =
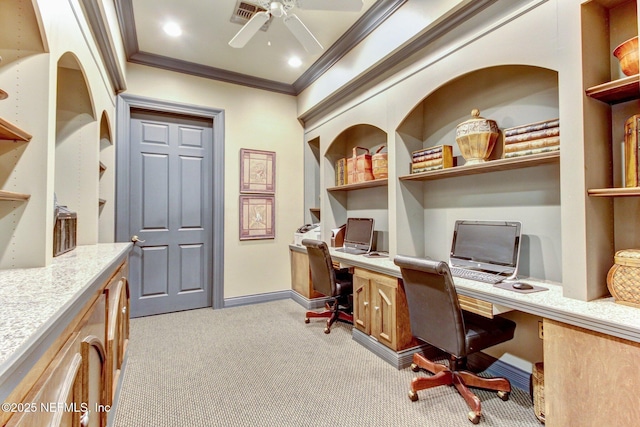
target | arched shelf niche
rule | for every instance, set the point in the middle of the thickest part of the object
(106, 191)
(20, 34)
(367, 202)
(426, 210)
(77, 148)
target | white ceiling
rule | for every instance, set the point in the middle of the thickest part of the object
(207, 30)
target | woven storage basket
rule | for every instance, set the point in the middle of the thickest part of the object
(380, 164)
(538, 390)
(623, 279)
(362, 169)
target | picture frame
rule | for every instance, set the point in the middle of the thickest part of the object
(257, 217)
(257, 171)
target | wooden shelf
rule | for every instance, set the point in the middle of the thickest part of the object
(102, 167)
(101, 202)
(490, 166)
(367, 184)
(11, 132)
(9, 195)
(621, 90)
(614, 192)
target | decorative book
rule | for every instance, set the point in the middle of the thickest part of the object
(531, 127)
(341, 172)
(433, 158)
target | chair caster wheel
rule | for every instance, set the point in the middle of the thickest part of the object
(473, 417)
(504, 395)
(327, 330)
(306, 320)
(414, 367)
(413, 396)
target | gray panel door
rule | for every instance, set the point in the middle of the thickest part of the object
(170, 210)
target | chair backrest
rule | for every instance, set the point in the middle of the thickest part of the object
(323, 275)
(434, 309)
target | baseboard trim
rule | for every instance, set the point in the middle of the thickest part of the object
(256, 298)
(309, 304)
(497, 368)
(399, 360)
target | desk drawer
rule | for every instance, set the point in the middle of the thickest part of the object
(477, 306)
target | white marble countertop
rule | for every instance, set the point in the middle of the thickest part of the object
(601, 315)
(33, 300)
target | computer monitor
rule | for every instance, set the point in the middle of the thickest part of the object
(359, 233)
(492, 246)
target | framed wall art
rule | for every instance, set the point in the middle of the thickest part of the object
(257, 171)
(257, 217)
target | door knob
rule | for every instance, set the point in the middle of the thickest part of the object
(135, 239)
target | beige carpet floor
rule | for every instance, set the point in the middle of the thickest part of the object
(261, 365)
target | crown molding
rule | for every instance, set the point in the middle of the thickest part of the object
(368, 22)
(199, 70)
(455, 17)
(97, 20)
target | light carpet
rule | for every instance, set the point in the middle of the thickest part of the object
(261, 365)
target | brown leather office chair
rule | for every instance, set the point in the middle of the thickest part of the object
(337, 284)
(437, 319)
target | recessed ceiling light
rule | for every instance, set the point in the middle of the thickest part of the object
(172, 29)
(295, 62)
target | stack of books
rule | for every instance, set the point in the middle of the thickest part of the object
(532, 138)
(433, 158)
(341, 172)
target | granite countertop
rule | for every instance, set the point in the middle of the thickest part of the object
(601, 315)
(33, 299)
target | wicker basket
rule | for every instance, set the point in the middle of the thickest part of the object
(380, 164)
(362, 170)
(537, 383)
(623, 279)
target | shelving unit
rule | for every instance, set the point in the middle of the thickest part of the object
(490, 166)
(617, 91)
(366, 184)
(11, 132)
(11, 196)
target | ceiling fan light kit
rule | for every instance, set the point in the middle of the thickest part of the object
(280, 9)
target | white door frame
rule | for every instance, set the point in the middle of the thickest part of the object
(123, 124)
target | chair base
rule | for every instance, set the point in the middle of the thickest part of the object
(332, 313)
(461, 380)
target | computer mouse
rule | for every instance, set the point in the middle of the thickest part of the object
(521, 286)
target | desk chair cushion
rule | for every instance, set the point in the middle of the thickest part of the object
(483, 332)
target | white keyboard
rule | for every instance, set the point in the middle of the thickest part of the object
(478, 276)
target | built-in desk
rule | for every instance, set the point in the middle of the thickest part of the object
(64, 332)
(591, 349)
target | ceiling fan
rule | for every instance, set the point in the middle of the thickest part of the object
(281, 9)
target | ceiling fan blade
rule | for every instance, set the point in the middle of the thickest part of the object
(249, 30)
(302, 33)
(340, 5)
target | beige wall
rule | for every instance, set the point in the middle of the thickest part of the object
(254, 119)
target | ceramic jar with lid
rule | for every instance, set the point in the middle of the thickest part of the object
(476, 138)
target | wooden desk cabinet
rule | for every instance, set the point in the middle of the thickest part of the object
(380, 308)
(75, 381)
(301, 275)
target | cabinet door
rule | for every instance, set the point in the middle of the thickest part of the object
(55, 399)
(361, 306)
(383, 321)
(114, 298)
(94, 363)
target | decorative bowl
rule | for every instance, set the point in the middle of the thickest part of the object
(627, 54)
(476, 138)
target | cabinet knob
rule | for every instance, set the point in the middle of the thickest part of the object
(366, 303)
(84, 419)
(124, 310)
(376, 308)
